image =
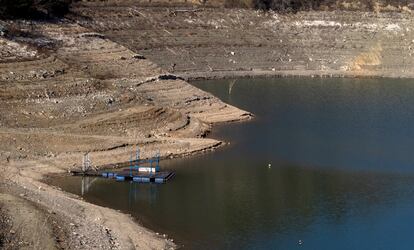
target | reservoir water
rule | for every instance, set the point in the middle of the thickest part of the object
(341, 173)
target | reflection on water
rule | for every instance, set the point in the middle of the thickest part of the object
(86, 183)
(341, 174)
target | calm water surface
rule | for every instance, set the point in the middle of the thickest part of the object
(341, 176)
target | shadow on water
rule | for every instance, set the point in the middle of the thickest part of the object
(341, 174)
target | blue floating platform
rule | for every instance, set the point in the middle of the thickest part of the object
(140, 177)
(120, 178)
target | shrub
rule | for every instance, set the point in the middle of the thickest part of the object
(33, 8)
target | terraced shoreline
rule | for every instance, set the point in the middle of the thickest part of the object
(89, 94)
(111, 76)
(211, 42)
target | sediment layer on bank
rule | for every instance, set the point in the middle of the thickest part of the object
(66, 91)
(246, 42)
(108, 79)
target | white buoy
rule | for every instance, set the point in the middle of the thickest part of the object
(300, 242)
(269, 165)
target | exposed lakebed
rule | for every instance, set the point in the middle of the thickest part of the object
(341, 173)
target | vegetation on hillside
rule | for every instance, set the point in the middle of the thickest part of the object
(33, 8)
(58, 8)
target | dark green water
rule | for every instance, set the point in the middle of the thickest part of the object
(341, 176)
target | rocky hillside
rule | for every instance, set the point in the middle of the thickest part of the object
(110, 76)
(222, 42)
(67, 90)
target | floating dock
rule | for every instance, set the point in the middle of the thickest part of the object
(140, 170)
(140, 177)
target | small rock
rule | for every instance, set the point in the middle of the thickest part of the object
(137, 56)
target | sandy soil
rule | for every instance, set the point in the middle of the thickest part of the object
(111, 77)
(66, 91)
(34, 228)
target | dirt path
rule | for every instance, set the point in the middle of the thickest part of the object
(29, 227)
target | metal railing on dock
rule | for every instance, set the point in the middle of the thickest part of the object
(140, 170)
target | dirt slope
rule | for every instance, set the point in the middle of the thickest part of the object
(105, 80)
(66, 90)
(195, 42)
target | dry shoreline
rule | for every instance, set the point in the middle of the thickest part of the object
(89, 95)
(195, 76)
(82, 85)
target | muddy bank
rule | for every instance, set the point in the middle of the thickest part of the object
(67, 90)
(105, 80)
